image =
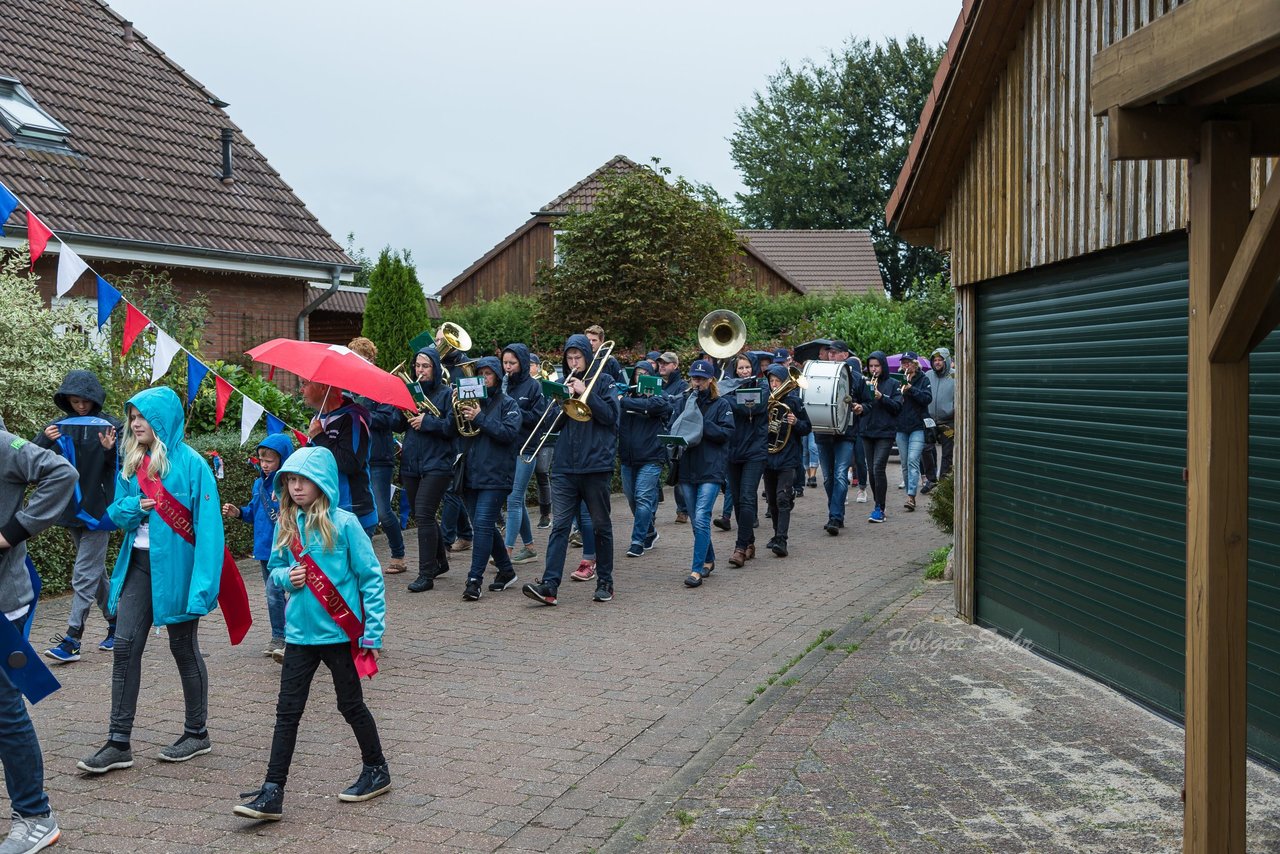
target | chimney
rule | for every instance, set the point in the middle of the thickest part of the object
(226, 157)
(129, 37)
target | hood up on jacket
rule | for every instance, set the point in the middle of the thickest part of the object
(493, 363)
(434, 355)
(162, 408)
(581, 342)
(777, 371)
(946, 361)
(879, 356)
(317, 465)
(80, 384)
(281, 444)
(521, 352)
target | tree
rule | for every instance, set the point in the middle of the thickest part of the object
(641, 261)
(823, 145)
(396, 310)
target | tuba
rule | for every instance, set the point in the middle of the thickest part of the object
(779, 427)
(721, 334)
(450, 337)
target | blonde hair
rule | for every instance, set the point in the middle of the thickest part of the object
(134, 451)
(316, 518)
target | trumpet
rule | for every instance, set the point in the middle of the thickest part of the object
(424, 402)
(466, 429)
(779, 427)
(575, 406)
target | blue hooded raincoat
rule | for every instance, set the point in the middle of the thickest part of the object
(263, 506)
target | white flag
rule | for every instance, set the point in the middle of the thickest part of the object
(250, 412)
(70, 268)
(166, 349)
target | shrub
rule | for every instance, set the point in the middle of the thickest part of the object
(871, 322)
(236, 486)
(289, 408)
(493, 324)
(54, 555)
(942, 503)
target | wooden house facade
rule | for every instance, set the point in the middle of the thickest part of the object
(1098, 172)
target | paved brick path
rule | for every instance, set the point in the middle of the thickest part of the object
(510, 725)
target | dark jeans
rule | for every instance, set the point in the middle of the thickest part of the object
(425, 495)
(860, 462)
(454, 522)
(483, 506)
(567, 492)
(878, 457)
(380, 483)
(300, 664)
(133, 623)
(20, 749)
(780, 497)
(275, 603)
(929, 460)
(744, 483)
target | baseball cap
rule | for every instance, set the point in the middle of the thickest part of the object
(653, 355)
(838, 344)
(535, 359)
(910, 356)
(669, 357)
(702, 368)
(781, 354)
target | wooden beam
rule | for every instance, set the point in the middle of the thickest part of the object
(1251, 282)
(1217, 508)
(1172, 131)
(964, 458)
(919, 236)
(1241, 78)
(1194, 42)
(1268, 320)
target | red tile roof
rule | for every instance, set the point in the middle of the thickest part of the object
(821, 262)
(582, 195)
(147, 158)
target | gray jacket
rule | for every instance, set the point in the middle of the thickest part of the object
(23, 464)
(942, 408)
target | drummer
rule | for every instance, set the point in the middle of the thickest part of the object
(836, 451)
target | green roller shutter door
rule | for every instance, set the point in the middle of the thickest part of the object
(1081, 507)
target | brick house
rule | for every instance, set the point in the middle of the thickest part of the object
(821, 261)
(134, 163)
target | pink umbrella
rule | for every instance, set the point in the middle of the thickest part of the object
(895, 363)
(334, 365)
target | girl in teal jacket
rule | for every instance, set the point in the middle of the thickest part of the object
(162, 576)
(332, 541)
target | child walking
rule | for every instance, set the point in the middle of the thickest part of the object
(86, 437)
(261, 512)
(168, 574)
(337, 604)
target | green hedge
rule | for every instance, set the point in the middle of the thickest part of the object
(942, 503)
(493, 324)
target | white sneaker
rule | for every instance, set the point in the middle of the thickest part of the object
(862, 496)
(902, 484)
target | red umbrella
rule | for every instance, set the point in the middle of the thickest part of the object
(335, 365)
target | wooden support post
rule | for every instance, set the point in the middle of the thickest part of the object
(964, 458)
(1217, 507)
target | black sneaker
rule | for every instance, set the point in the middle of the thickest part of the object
(832, 527)
(267, 803)
(108, 758)
(544, 521)
(504, 580)
(604, 593)
(722, 522)
(650, 541)
(928, 487)
(421, 583)
(374, 780)
(812, 483)
(779, 548)
(187, 747)
(540, 592)
(472, 591)
(635, 551)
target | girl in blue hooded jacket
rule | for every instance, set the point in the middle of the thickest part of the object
(335, 541)
(162, 577)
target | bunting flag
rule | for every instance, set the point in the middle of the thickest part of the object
(274, 425)
(302, 438)
(196, 372)
(8, 202)
(166, 349)
(250, 412)
(70, 268)
(38, 235)
(108, 299)
(134, 322)
(222, 392)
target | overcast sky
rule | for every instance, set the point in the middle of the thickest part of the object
(439, 127)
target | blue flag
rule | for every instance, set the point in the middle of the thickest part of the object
(274, 425)
(196, 372)
(8, 201)
(108, 299)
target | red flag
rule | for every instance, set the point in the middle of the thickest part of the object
(38, 235)
(134, 322)
(222, 391)
(302, 438)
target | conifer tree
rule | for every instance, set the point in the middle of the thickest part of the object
(396, 310)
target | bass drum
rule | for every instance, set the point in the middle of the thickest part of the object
(826, 398)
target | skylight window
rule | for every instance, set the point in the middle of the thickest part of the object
(23, 117)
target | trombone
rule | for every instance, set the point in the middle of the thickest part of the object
(575, 406)
(779, 427)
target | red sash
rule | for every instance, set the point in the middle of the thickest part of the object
(233, 598)
(322, 588)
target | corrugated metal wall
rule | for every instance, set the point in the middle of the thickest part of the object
(1038, 186)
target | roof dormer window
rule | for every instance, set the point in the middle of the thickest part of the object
(24, 118)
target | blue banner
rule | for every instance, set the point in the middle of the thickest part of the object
(108, 299)
(196, 372)
(8, 201)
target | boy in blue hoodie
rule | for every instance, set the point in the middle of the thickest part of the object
(336, 613)
(262, 511)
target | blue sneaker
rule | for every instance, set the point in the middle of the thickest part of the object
(109, 642)
(877, 515)
(66, 651)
